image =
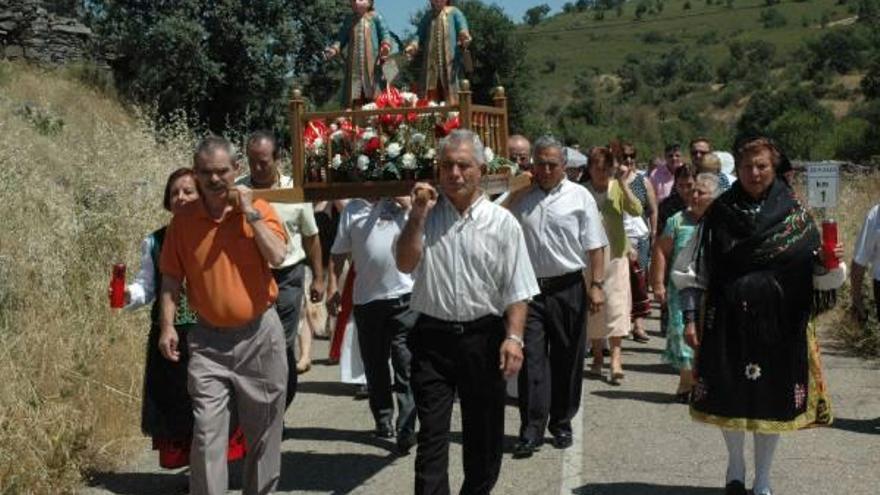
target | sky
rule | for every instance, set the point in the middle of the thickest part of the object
(398, 12)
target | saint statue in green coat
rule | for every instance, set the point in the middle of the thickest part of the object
(365, 36)
(442, 38)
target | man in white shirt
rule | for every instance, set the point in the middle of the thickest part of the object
(867, 252)
(473, 279)
(302, 232)
(367, 231)
(564, 235)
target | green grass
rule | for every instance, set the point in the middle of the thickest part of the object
(577, 42)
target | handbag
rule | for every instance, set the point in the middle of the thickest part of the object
(686, 271)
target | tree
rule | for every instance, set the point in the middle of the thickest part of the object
(226, 64)
(536, 14)
(792, 117)
(568, 8)
(871, 81)
(840, 51)
(772, 18)
(582, 5)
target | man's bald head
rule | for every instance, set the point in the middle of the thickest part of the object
(519, 150)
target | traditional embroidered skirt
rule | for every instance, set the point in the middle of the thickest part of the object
(777, 388)
(614, 318)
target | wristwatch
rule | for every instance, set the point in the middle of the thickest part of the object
(253, 216)
(597, 284)
(517, 339)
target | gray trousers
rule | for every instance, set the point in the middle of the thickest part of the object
(241, 369)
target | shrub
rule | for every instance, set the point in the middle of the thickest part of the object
(772, 18)
(835, 50)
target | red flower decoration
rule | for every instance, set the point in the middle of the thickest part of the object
(443, 129)
(372, 146)
(315, 129)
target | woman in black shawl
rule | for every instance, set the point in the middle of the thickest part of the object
(757, 365)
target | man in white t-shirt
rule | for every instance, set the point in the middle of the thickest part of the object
(867, 252)
(304, 245)
(367, 231)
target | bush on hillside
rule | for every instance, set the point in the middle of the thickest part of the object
(747, 61)
(772, 18)
(836, 50)
(793, 117)
(871, 82)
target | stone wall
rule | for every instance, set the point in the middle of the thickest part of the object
(28, 31)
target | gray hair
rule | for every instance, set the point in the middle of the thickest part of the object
(459, 137)
(212, 144)
(547, 142)
(710, 179)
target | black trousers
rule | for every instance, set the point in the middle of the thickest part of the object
(289, 304)
(551, 378)
(449, 357)
(382, 328)
(877, 297)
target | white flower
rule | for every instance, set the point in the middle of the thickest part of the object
(393, 150)
(433, 104)
(753, 371)
(369, 106)
(337, 135)
(453, 115)
(336, 162)
(319, 143)
(368, 134)
(333, 127)
(408, 161)
(489, 154)
(363, 163)
(430, 153)
(409, 97)
(417, 138)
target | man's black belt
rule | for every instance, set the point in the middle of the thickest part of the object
(457, 327)
(553, 284)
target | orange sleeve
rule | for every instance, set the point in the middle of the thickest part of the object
(170, 263)
(271, 218)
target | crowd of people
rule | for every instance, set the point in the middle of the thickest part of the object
(456, 294)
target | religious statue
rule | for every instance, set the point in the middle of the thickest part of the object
(368, 41)
(443, 38)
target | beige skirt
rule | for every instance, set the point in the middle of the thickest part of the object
(614, 318)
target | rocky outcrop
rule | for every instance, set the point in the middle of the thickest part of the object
(29, 31)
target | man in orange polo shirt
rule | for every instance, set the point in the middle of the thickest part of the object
(237, 349)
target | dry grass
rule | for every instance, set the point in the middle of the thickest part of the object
(81, 183)
(858, 194)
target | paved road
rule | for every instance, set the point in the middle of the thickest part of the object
(629, 440)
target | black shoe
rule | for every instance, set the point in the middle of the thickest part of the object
(735, 487)
(562, 440)
(405, 442)
(361, 392)
(384, 431)
(525, 448)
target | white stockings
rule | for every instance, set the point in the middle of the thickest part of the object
(765, 447)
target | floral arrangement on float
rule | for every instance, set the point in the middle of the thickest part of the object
(387, 147)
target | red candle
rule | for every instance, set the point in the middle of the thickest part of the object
(829, 243)
(117, 286)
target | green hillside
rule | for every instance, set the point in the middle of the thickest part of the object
(577, 41)
(590, 67)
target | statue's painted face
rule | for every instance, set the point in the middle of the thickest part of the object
(360, 7)
(438, 4)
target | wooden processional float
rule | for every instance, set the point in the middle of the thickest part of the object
(317, 181)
